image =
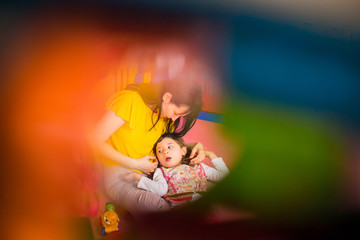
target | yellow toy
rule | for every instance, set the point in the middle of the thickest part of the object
(109, 220)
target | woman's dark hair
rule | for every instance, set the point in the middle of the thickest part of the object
(184, 91)
(179, 140)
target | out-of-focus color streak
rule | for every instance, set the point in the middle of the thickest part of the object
(55, 71)
(291, 164)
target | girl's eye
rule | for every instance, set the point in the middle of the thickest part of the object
(160, 151)
(170, 147)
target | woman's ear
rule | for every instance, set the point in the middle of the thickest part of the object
(167, 97)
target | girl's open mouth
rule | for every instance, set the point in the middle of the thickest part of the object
(168, 159)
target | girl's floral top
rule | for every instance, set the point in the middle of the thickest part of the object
(185, 179)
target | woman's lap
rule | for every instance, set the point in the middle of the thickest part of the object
(127, 195)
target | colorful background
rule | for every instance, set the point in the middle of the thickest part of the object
(281, 84)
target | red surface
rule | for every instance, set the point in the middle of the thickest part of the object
(210, 135)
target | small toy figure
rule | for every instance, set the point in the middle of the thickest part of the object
(109, 220)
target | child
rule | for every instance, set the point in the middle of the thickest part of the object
(175, 179)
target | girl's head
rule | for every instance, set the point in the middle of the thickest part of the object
(173, 99)
(170, 150)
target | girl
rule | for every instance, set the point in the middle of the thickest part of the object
(135, 118)
(175, 179)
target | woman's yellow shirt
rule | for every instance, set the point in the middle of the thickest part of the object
(133, 138)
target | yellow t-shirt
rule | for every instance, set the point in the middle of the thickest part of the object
(133, 138)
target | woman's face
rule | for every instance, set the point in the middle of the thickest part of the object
(171, 110)
(169, 153)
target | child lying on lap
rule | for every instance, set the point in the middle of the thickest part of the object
(175, 178)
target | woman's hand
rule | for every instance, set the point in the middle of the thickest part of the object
(146, 164)
(197, 153)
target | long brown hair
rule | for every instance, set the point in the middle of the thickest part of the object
(183, 91)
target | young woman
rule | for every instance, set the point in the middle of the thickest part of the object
(136, 117)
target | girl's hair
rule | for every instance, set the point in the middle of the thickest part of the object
(179, 140)
(183, 91)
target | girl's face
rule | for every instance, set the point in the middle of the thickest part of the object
(169, 153)
(171, 110)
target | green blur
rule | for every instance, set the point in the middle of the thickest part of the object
(290, 167)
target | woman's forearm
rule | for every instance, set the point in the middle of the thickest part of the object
(107, 126)
(107, 151)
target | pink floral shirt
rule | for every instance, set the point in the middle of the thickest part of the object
(185, 179)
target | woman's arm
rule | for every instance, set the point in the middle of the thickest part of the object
(107, 126)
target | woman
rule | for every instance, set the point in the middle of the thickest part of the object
(136, 117)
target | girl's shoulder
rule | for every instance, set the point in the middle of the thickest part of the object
(193, 166)
(181, 167)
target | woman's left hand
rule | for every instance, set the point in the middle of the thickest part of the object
(197, 153)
